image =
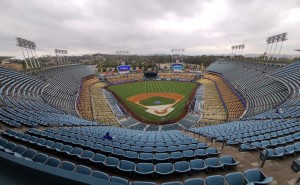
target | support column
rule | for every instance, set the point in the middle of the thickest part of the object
(24, 58)
(29, 58)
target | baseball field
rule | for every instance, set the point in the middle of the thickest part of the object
(154, 101)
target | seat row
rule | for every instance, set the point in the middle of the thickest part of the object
(249, 128)
(249, 177)
(128, 135)
(254, 175)
(121, 134)
(280, 152)
(268, 134)
(88, 151)
(162, 169)
(143, 168)
(252, 81)
(34, 156)
(137, 146)
(281, 141)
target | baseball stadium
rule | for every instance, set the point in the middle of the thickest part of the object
(135, 117)
(235, 119)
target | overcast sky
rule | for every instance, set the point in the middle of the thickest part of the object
(148, 26)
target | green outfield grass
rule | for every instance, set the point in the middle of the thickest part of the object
(153, 101)
(127, 90)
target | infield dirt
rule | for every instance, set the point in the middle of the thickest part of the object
(139, 97)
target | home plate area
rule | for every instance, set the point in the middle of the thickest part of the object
(157, 109)
(160, 110)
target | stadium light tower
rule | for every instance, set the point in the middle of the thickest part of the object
(28, 45)
(238, 49)
(275, 39)
(282, 38)
(123, 56)
(177, 55)
(62, 56)
(32, 46)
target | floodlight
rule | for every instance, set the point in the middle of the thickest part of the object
(28, 45)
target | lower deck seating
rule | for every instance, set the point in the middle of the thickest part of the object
(162, 169)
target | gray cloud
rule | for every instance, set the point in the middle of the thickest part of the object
(152, 26)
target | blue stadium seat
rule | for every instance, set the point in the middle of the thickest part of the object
(182, 167)
(119, 180)
(126, 166)
(98, 159)
(19, 150)
(194, 181)
(213, 163)
(236, 178)
(83, 170)
(67, 165)
(100, 175)
(40, 158)
(197, 165)
(228, 161)
(111, 162)
(257, 176)
(142, 183)
(164, 168)
(144, 168)
(172, 183)
(214, 180)
(52, 161)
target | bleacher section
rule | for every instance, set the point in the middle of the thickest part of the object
(199, 100)
(84, 101)
(101, 111)
(113, 104)
(213, 109)
(252, 80)
(64, 86)
(122, 78)
(24, 105)
(233, 104)
(290, 108)
(189, 120)
(177, 76)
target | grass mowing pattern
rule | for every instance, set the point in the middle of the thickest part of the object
(130, 89)
(152, 101)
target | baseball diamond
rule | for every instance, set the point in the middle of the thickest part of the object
(173, 96)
